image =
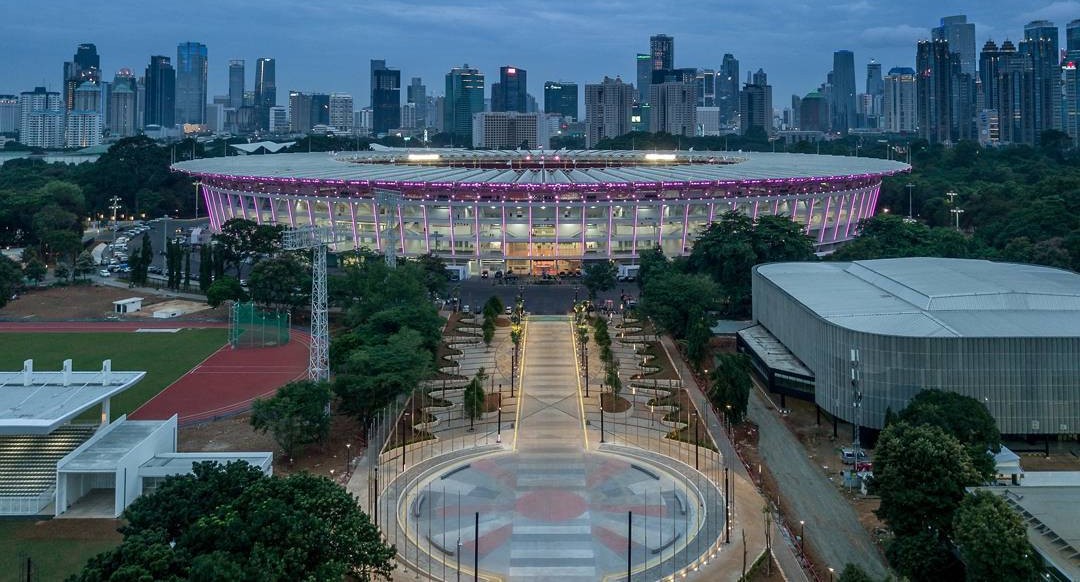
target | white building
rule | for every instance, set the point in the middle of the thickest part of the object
(409, 114)
(83, 129)
(608, 106)
(41, 119)
(900, 101)
(341, 112)
(507, 130)
(279, 119)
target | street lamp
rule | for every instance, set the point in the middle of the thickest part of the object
(909, 206)
(348, 459)
(601, 413)
(697, 424)
(405, 420)
(802, 536)
(498, 434)
(831, 574)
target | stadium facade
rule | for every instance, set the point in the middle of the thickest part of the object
(1005, 334)
(537, 211)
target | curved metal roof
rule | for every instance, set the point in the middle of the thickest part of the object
(468, 168)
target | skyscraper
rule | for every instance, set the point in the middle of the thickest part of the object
(706, 88)
(84, 66)
(83, 125)
(236, 83)
(813, 112)
(934, 87)
(662, 52)
(265, 90)
(643, 62)
(608, 106)
(191, 83)
(989, 68)
(9, 113)
(673, 108)
(41, 118)
(1041, 45)
(727, 90)
(464, 97)
(509, 93)
(385, 97)
(320, 109)
(123, 104)
(899, 101)
(961, 37)
(160, 92)
(341, 111)
(1015, 96)
(875, 85)
(843, 91)
(300, 112)
(416, 93)
(561, 97)
(755, 105)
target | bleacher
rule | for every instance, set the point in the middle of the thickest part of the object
(28, 462)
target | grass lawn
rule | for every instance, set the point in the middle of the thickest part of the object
(164, 356)
(55, 553)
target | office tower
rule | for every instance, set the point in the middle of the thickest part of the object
(464, 98)
(320, 109)
(341, 111)
(727, 90)
(707, 120)
(1041, 45)
(843, 91)
(265, 90)
(236, 83)
(9, 113)
(662, 52)
(416, 93)
(755, 106)
(899, 101)
(989, 69)
(82, 127)
(509, 93)
(1015, 95)
(813, 112)
(875, 85)
(84, 66)
(160, 92)
(299, 112)
(278, 119)
(122, 106)
(706, 87)
(385, 97)
(561, 97)
(41, 118)
(191, 83)
(1070, 103)
(608, 106)
(933, 87)
(673, 106)
(508, 130)
(643, 63)
(960, 35)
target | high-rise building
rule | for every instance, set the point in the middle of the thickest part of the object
(1041, 45)
(643, 64)
(813, 112)
(1015, 96)
(561, 97)
(83, 125)
(385, 97)
(934, 88)
(191, 83)
(160, 92)
(706, 88)
(236, 83)
(755, 105)
(265, 90)
(989, 69)
(662, 52)
(279, 119)
(320, 109)
(123, 105)
(41, 118)
(9, 113)
(299, 112)
(875, 84)
(727, 90)
(843, 91)
(416, 93)
(509, 94)
(960, 35)
(900, 98)
(84, 66)
(674, 108)
(464, 98)
(1070, 78)
(341, 111)
(507, 130)
(608, 107)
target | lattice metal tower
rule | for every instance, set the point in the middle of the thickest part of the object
(316, 238)
(390, 198)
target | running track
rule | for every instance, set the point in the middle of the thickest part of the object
(223, 384)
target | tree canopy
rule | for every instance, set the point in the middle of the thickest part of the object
(964, 418)
(297, 415)
(992, 540)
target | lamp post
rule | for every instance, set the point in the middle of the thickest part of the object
(831, 574)
(601, 413)
(697, 424)
(375, 495)
(728, 415)
(909, 186)
(405, 420)
(348, 459)
(498, 433)
(586, 349)
(802, 536)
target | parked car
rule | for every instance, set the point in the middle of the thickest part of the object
(509, 310)
(483, 274)
(104, 272)
(466, 309)
(847, 455)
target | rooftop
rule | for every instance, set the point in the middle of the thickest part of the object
(1052, 517)
(936, 297)
(104, 451)
(387, 167)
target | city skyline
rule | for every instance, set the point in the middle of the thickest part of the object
(491, 35)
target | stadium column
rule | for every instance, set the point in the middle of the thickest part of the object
(810, 215)
(685, 225)
(352, 217)
(825, 220)
(375, 218)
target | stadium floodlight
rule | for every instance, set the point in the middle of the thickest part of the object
(660, 157)
(423, 157)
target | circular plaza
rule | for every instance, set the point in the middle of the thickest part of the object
(532, 212)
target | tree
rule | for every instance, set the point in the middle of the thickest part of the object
(992, 540)
(187, 269)
(34, 270)
(225, 289)
(296, 415)
(731, 385)
(84, 265)
(653, 264)
(964, 418)
(675, 299)
(233, 523)
(473, 399)
(922, 557)
(436, 277)
(241, 239)
(10, 279)
(909, 505)
(488, 331)
(206, 267)
(279, 282)
(377, 371)
(61, 271)
(853, 573)
(493, 307)
(599, 276)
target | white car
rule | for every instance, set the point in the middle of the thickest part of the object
(466, 309)
(104, 272)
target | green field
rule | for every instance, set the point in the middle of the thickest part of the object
(164, 356)
(53, 559)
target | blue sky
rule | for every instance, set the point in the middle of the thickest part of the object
(325, 45)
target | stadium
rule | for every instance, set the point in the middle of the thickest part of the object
(534, 212)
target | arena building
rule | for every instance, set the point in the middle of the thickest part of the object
(537, 211)
(1005, 334)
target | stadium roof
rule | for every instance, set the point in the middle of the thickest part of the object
(457, 167)
(35, 402)
(936, 297)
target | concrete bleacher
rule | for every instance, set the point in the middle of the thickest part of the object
(28, 462)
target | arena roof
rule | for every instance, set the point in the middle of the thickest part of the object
(36, 402)
(936, 297)
(572, 168)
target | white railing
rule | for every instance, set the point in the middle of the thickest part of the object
(27, 505)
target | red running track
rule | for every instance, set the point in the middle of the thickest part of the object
(100, 326)
(228, 382)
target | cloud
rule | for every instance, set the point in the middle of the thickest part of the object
(1060, 12)
(892, 36)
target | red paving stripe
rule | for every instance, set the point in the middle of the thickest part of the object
(101, 326)
(490, 541)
